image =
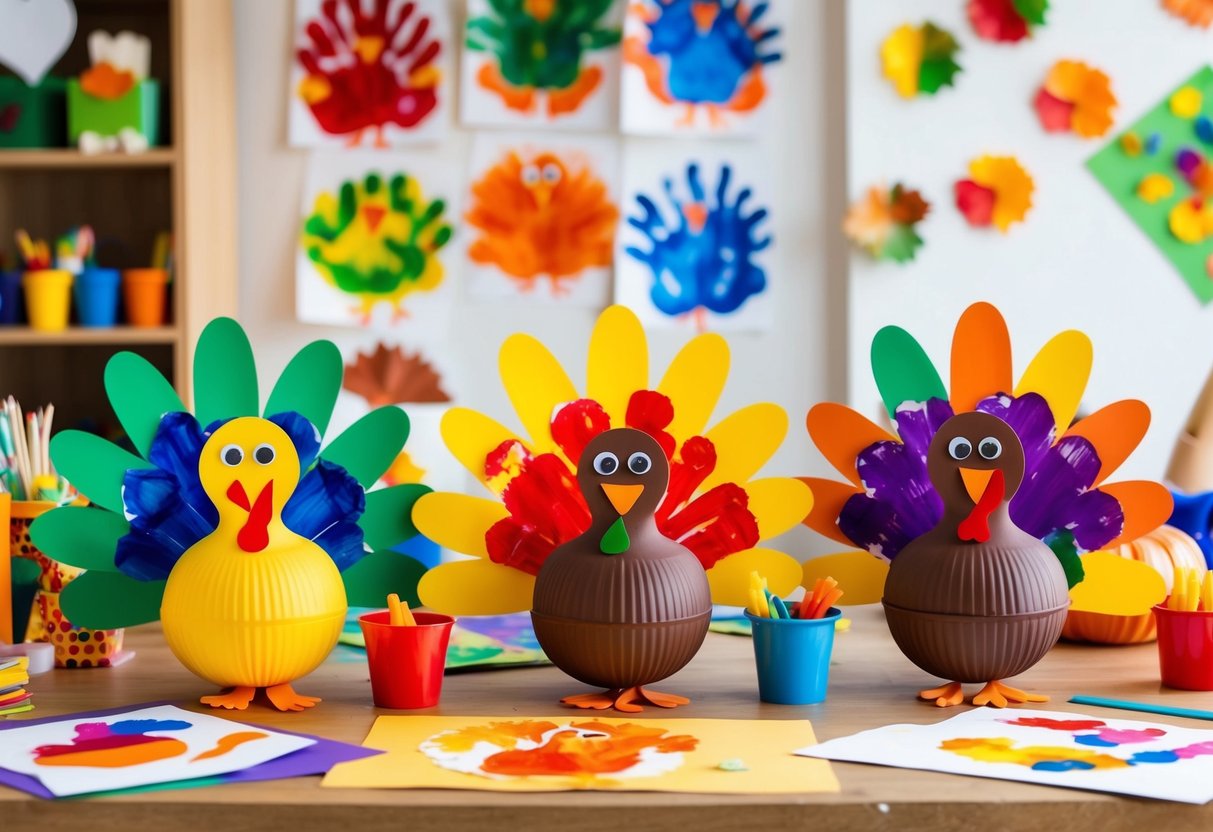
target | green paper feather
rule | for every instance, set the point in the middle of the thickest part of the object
(225, 376)
(616, 540)
(1062, 544)
(95, 467)
(388, 518)
(936, 73)
(140, 396)
(368, 447)
(901, 244)
(1032, 11)
(109, 600)
(369, 581)
(25, 572)
(309, 385)
(902, 370)
(80, 536)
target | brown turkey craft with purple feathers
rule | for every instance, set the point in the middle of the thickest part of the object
(976, 599)
(622, 605)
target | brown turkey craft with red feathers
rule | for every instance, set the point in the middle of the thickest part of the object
(389, 375)
(369, 73)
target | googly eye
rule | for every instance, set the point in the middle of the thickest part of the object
(551, 174)
(960, 448)
(989, 448)
(264, 454)
(232, 455)
(639, 463)
(606, 463)
(530, 175)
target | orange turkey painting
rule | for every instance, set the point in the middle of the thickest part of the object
(369, 73)
(541, 219)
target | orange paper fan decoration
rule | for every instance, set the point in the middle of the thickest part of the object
(391, 376)
(1195, 12)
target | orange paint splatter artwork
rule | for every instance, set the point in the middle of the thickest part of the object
(542, 215)
(586, 750)
(131, 743)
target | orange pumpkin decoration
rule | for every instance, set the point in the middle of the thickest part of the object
(1165, 549)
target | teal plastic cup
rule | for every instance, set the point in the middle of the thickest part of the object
(793, 657)
(96, 296)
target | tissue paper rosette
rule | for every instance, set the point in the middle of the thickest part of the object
(714, 505)
(883, 222)
(888, 499)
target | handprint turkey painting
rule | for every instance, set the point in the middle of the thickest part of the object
(693, 253)
(369, 73)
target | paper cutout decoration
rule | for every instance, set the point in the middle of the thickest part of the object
(149, 509)
(369, 72)
(1075, 98)
(1051, 748)
(541, 61)
(567, 753)
(698, 66)
(161, 744)
(920, 59)
(373, 235)
(888, 500)
(1006, 21)
(389, 375)
(35, 36)
(883, 222)
(541, 216)
(1193, 12)
(1180, 221)
(694, 252)
(715, 505)
(998, 192)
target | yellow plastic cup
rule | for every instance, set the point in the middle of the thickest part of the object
(145, 292)
(48, 298)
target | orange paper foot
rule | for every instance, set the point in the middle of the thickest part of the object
(944, 696)
(284, 698)
(997, 695)
(516, 98)
(625, 700)
(569, 99)
(236, 699)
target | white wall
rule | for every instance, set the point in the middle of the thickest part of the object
(802, 361)
(1078, 262)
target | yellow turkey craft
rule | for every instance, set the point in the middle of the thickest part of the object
(244, 537)
(888, 499)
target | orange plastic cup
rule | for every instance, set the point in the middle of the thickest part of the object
(145, 294)
(48, 298)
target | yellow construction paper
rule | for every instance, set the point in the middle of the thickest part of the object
(618, 362)
(536, 384)
(778, 504)
(729, 579)
(680, 755)
(901, 57)
(695, 379)
(471, 436)
(1117, 586)
(744, 441)
(860, 576)
(1059, 373)
(476, 587)
(1185, 102)
(457, 520)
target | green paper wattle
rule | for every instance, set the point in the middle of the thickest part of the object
(616, 540)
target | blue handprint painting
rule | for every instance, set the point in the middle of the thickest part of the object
(699, 246)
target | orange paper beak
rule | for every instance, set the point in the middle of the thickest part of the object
(622, 497)
(374, 215)
(976, 480)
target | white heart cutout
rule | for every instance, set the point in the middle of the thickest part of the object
(35, 35)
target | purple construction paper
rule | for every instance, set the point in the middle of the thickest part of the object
(315, 759)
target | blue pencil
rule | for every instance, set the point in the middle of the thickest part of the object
(1144, 707)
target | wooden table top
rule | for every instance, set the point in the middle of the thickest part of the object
(872, 684)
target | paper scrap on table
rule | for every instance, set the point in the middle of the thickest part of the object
(568, 752)
(1051, 748)
(160, 744)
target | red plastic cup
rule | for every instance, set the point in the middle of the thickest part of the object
(406, 661)
(1185, 648)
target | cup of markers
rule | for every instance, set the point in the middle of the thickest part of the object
(793, 642)
(1185, 632)
(406, 653)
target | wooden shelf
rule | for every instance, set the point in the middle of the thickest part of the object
(68, 158)
(78, 336)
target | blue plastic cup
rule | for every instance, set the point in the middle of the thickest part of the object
(96, 296)
(793, 657)
(12, 307)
